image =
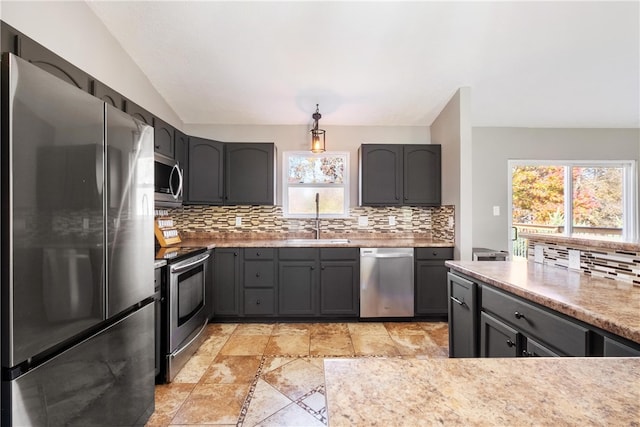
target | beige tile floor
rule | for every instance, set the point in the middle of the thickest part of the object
(256, 374)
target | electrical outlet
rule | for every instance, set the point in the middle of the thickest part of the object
(238, 221)
(392, 220)
(574, 259)
(538, 254)
(363, 221)
(450, 222)
(496, 211)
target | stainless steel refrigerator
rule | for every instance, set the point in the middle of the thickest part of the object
(77, 313)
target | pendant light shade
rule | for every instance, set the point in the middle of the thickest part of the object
(317, 135)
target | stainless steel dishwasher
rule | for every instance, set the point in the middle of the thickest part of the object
(386, 282)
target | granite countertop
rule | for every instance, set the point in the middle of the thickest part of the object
(518, 391)
(159, 263)
(607, 304)
(386, 242)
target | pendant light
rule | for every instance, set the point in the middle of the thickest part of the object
(317, 135)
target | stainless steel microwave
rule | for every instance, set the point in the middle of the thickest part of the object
(168, 185)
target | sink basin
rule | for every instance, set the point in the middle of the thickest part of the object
(319, 241)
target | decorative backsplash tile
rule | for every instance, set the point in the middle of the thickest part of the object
(436, 222)
(607, 263)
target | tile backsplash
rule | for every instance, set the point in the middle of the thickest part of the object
(419, 222)
(615, 264)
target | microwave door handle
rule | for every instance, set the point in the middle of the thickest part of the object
(173, 170)
(180, 175)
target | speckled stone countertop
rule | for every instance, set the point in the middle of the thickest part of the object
(496, 392)
(356, 242)
(582, 241)
(607, 304)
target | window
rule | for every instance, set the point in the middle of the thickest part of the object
(581, 199)
(306, 174)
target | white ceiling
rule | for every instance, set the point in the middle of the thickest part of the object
(530, 64)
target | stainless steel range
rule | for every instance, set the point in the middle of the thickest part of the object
(184, 311)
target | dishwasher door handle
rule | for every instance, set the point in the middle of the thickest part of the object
(386, 255)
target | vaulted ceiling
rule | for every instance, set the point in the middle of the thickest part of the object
(530, 64)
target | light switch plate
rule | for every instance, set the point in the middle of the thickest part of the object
(538, 254)
(238, 221)
(574, 259)
(363, 221)
(496, 211)
(392, 220)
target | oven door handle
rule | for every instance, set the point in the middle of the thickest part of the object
(204, 325)
(184, 267)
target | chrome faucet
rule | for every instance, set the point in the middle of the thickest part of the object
(317, 229)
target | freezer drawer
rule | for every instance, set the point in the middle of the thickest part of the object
(386, 282)
(107, 380)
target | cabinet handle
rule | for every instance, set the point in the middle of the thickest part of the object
(257, 274)
(510, 343)
(322, 268)
(235, 254)
(257, 253)
(457, 301)
(434, 253)
(518, 315)
(526, 353)
(258, 302)
(313, 268)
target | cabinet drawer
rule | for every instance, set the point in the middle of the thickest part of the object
(259, 253)
(613, 348)
(434, 253)
(571, 339)
(259, 301)
(259, 274)
(307, 254)
(339, 253)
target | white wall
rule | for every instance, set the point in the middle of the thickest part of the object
(493, 147)
(72, 30)
(452, 129)
(297, 138)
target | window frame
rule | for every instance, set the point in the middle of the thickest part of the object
(345, 183)
(629, 197)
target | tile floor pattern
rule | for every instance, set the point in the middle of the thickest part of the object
(256, 374)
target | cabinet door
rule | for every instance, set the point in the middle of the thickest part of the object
(614, 348)
(497, 339)
(205, 162)
(463, 329)
(138, 112)
(339, 288)
(297, 288)
(381, 174)
(210, 280)
(106, 94)
(52, 63)
(535, 349)
(226, 297)
(249, 174)
(421, 168)
(431, 288)
(163, 134)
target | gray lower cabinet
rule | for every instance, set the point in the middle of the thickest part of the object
(259, 281)
(535, 349)
(227, 284)
(559, 335)
(498, 339)
(431, 298)
(616, 348)
(463, 316)
(339, 282)
(297, 288)
(210, 280)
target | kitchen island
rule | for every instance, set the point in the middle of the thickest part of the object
(497, 392)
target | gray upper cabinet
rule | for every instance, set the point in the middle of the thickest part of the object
(108, 95)
(396, 174)
(163, 137)
(52, 63)
(422, 182)
(249, 173)
(381, 174)
(138, 112)
(205, 171)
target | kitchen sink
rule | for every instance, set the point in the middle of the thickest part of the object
(319, 241)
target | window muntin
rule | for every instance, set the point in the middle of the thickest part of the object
(306, 174)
